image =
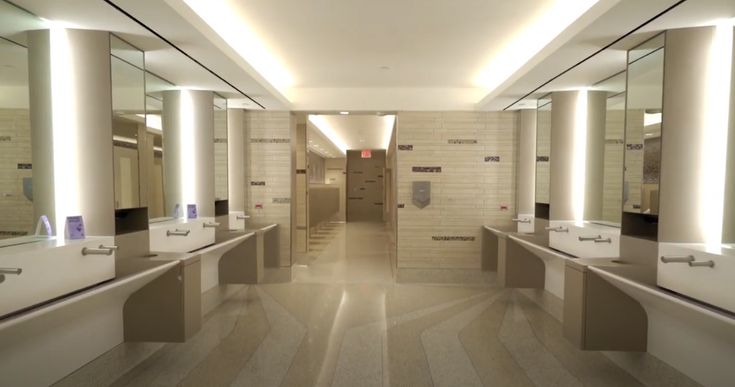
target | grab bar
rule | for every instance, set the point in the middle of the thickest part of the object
(603, 240)
(557, 229)
(111, 247)
(525, 220)
(678, 259)
(243, 217)
(177, 232)
(211, 225)
(589, 239)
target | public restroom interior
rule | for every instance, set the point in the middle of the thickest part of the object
(310, 193)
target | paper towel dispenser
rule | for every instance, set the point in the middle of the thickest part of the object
(421, 193)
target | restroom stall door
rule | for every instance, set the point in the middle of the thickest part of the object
(365, 189)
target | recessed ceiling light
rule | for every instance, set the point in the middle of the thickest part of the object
(344, 113)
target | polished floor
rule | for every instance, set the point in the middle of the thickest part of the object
(343, 321)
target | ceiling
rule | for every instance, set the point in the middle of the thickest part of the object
(382, 55)
(161, 58)
(352, 131)
(622, 18)
(319, 143)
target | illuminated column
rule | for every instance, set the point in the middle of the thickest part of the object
(527, 162)
(577, 152)
(71, 126)
(696, 121)
(236, 159)
(188, 150)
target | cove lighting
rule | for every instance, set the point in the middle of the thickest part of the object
(328, 132)
(529, 42)
(389, 123)
(152, 121)
(64, 130)
(227, 21)
(714, 134)
(579, 157)
(651, 119)
(124, 139)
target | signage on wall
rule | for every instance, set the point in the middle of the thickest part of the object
(366, 154)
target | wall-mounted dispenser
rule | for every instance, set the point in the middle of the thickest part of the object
(421, 196)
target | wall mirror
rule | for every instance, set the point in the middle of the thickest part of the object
(220, 148)
(543, 155)
(152, 146)
(128, 122)
(643, 127)
(614, 148)
(17, 216)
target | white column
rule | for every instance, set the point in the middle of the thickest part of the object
(696, 121)
(527, 162)
(236, 159)
(71, 126)
(577, 150)
(188, 150)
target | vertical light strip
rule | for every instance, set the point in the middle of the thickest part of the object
(714, 134)
(64, 129)
(188, 168)
(579, 156)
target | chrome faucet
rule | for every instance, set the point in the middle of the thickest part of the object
(524, 220)
(556, 229)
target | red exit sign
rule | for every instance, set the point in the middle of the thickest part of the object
(367, 153)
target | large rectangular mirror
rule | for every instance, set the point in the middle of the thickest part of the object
(152, 148)
(220, 147)
(643, 127)
(614, 148)
(543, 155)
(17, 215)
(128, 121)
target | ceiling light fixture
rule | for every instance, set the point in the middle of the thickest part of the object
(529, 42)
(344, 113)
(321, 123)
(228, 22)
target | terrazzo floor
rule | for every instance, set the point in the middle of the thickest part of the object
(343, 321)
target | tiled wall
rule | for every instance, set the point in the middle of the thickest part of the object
(469, 158)
(15, 164)
(299, 208)
(268, 173)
